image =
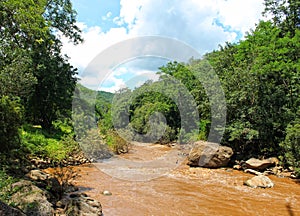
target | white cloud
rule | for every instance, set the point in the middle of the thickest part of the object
(240, 15)
(130, 75)
(191, 21)
(95, 41)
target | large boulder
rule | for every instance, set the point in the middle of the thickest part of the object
(80, 204)
(257, 164)
(209, 155)
(46, 181)
(31, 200)
(8, 210)
(260, 181)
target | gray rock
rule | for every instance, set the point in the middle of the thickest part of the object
(257, 164)
(45, 180)
(260, 181)
(31, 199)
(38, 175)
(209, 155)
(81, 204)
(8, 210)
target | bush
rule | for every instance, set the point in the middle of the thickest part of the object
(10, 121)
(117, 143)
(37, 142)
(291, 146)
(5, 182)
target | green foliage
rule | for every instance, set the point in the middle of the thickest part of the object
(284, 13)
(10, 121)
(31, 64)
(117, 143)
(40, 143)
(291, 145)
(5, 186)
(260, 78)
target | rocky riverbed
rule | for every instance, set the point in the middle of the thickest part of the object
(182, 190)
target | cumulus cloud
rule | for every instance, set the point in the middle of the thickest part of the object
(133, 73)
(201, 24)
(95, 41)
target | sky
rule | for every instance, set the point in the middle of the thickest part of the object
(200, 24)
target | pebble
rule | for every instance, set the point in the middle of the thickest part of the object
(106, 193)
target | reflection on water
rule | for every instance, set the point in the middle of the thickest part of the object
(184, 190)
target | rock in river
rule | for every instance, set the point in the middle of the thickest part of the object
(259, 181)
(209, 155)
(257, 164)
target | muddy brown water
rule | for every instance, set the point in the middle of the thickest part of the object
(184, 190)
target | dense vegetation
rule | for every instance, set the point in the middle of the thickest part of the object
(37, 84)
(260, 76)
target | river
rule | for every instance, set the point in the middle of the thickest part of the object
(182, 190)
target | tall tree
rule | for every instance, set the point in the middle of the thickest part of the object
(30, 33)
(284, 13)
(33, 73)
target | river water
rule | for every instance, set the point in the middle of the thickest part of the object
(180, 190)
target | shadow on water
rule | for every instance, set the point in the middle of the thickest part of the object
(289, 209)
(84, 189)
(297, 181)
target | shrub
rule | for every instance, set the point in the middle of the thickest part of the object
(10, 121)
(117, 143)
(291, 146)
(5, 186)
(65, 177)
(36, 141)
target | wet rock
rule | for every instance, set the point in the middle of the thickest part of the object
(106, 193)
(8, 210)
(81, 204)
(209, 155)
(253, 172)
(260, 181)
(257, 164)
(237, 167)
(38, 175)
(46, 181)
(31, 200)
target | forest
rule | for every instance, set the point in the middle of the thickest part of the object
(260, 77)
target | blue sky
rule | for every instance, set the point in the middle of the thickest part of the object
(201, 24)
(97, 12)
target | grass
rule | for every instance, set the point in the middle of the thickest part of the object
(55, 145)
(5, 186)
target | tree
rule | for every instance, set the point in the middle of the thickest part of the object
(285, 14)
(32, 30)
(10, 121)
(33, 73)
(291, 145)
